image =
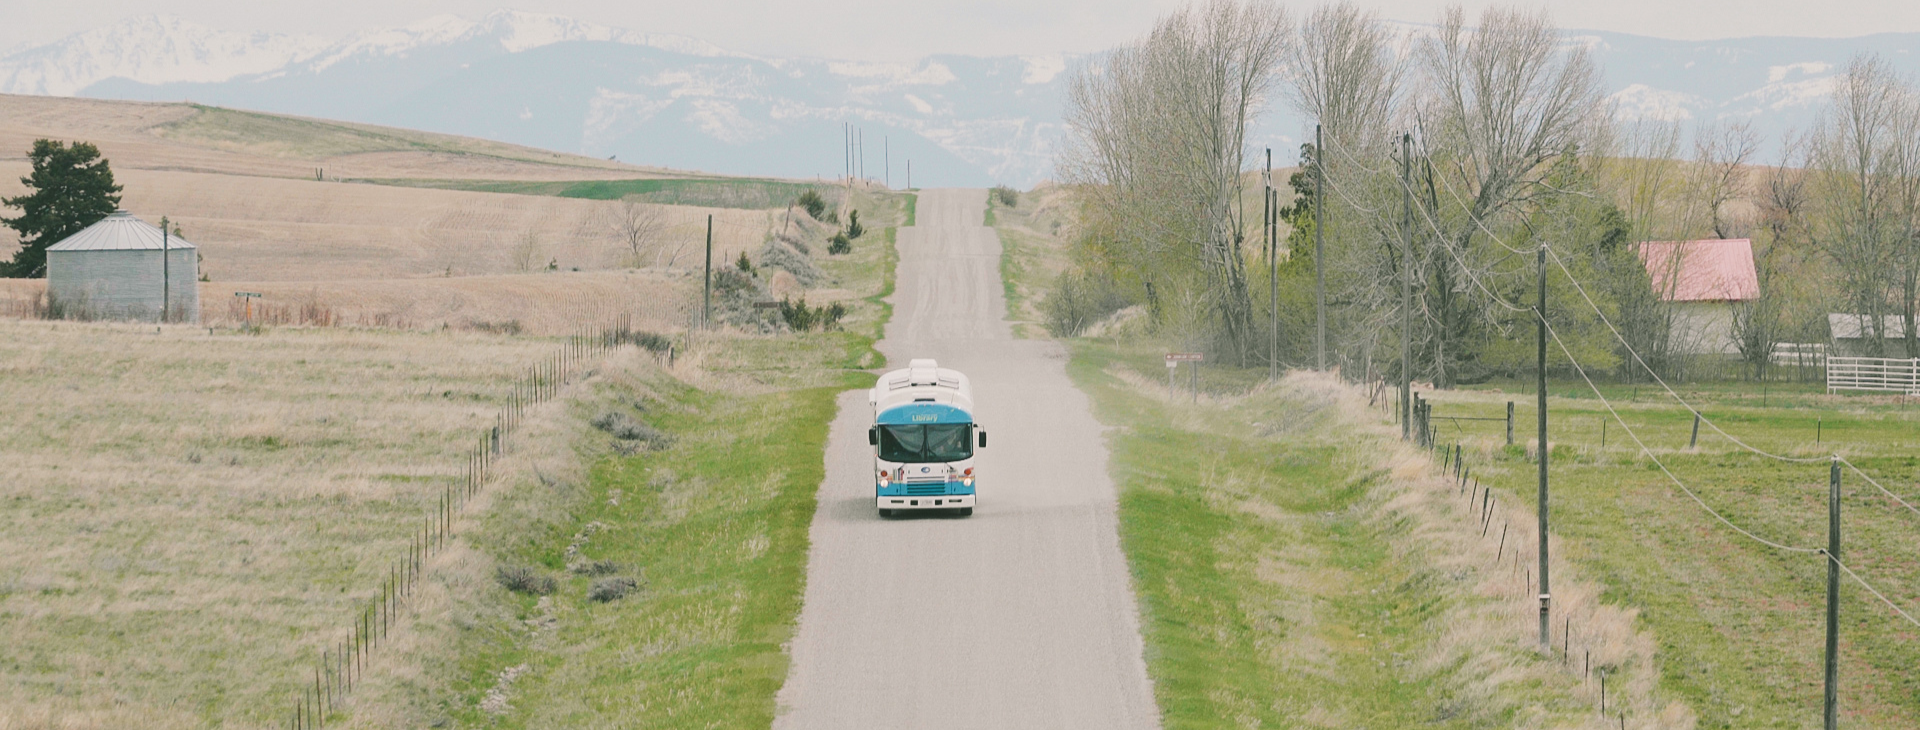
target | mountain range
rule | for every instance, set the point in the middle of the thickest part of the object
(675, 101)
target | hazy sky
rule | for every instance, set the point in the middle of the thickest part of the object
(897, 30)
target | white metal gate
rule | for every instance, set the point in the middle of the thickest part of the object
(1873, 373)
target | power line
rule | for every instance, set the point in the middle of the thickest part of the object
(1663, 383)
(1870, 589)
(1883, 490)
(1656, 459)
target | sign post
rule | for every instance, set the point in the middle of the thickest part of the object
(1173, 361)
(248, 297)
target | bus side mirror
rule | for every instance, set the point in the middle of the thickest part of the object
(873, 437)
(983, 438)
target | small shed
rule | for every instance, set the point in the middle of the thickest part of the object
(1704, 281)
(1853, 335)
(124, 268)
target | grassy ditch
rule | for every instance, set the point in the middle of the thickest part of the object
(712, 530)
(709, 523)
(1298, 567)
(1741, 625)
(1030, 257)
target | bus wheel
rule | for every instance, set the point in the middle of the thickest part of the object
(886, 513)
(966, 511)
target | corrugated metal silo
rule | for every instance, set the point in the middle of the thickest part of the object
(114, 270)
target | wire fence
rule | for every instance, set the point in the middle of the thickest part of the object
(342, 664)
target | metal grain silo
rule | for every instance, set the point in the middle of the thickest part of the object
(124, 268)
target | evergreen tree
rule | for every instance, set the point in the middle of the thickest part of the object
(72, 188)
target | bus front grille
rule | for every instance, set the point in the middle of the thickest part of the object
(926, 490)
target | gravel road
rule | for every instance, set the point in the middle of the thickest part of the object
(1020, 616)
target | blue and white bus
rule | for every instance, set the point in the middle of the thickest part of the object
(924, 440)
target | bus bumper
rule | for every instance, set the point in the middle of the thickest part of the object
(955, 501)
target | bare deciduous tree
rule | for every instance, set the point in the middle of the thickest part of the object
(1501, 102)
(638, 227)
(1721, 155)
(1159, 145)
(1865, 193)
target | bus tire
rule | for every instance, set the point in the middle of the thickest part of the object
(966, 511)
(885, 513)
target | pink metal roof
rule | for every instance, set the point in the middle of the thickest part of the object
(1717, 270)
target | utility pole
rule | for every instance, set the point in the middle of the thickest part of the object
(1833, 595)
(886, 160)
(1406, 288)
(1319, 251)
(1273, 272)
(1540, 368)
(166, 275)
(860, 146)
(909, 173)
(706, 285)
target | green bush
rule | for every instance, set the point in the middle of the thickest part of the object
(854, 229)
(839, 244)
(815, 205)
(802, 318)
(1006, 195)
(743, 263)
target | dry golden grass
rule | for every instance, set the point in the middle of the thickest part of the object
(174, 136)
(185, 520)
(241, 187)
(270, 229)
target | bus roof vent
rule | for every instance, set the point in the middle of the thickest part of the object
(923, 372)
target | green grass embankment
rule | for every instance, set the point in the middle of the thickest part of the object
(1296, 567)
(714, 528)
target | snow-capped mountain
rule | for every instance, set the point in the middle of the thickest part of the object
(150, 50)
(564, 84)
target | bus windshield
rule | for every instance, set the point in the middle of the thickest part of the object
(926, 443)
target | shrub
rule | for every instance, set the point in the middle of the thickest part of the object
(1006, 195)
(797, 314)
(830, 317)
(597, 568)
(524, 579)
(1079, 300)
(627, 428)
(743, 263)
(811, 201)
(611, 589)
(854, 229)
(839, 244)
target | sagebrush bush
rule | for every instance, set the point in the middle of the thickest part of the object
(839, 244)
(525, 579)
(611, 589)
(627, 428)
(597, 568)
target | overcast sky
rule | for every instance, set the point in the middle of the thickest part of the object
(897, 30)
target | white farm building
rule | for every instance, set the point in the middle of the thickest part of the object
(124, 268)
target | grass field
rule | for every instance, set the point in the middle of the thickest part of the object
(1741, 625)
(712, 193)
(184, 516)
(242, 186)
